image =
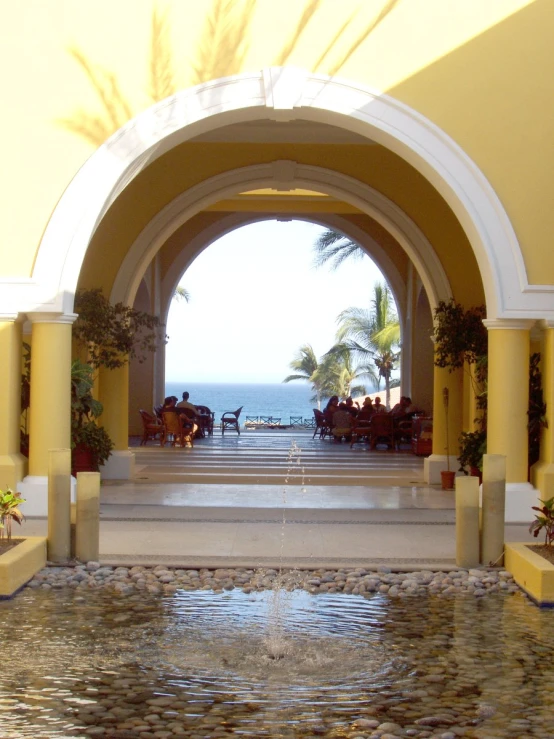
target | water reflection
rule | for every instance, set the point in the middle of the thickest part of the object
(204, 664)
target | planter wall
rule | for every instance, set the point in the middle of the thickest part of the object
(533, 573)
(19, 564)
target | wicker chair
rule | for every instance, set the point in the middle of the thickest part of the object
(230, 420)
(151, 427)
(322, 426)
(175, 432)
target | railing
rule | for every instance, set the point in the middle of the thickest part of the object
(256, 422)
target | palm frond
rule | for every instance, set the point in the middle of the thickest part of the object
(334, 247)
(181, 293)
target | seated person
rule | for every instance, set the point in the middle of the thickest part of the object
(351, 407)
(365, 412)
(342, 423)
(330, 409)
(185, 404)
(401, 408)
(378, 407)
(169, 403)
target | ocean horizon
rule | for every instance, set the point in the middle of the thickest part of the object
(279, 400)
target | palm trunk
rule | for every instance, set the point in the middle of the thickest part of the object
(387, 392)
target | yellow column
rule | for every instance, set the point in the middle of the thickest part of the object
(438, 460)
(50, 410)
(12, 463)
(114, 396)
(542, 474)
(508, 394)
(454, 382)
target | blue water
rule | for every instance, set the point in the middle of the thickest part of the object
(276, 400)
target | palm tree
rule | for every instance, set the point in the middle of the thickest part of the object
(332, 246)
(373, 335)
(307, 366)
(181, 293)
(337, 375)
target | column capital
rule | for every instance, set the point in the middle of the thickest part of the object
(9, 317)
(545, 324)
(519, 324)
(40, 317)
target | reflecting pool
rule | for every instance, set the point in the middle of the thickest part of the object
(203, 664)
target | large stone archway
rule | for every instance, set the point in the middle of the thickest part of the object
(280, 94)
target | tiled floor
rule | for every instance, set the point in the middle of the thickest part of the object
(255, 500)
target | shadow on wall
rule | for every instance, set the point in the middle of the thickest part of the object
(221, 52)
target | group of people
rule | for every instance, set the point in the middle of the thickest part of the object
(342, 417)
(187, 411)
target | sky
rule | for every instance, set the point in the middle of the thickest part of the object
(255, 299)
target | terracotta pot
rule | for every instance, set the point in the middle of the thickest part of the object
(82, 460)
(447, 479)
(476, 472)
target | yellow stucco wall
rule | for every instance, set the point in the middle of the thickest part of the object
(476, 69)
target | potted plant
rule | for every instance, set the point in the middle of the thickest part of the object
(90, 444)
(19, 559)
(532, 566)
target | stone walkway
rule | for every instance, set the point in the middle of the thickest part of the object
(277, 498)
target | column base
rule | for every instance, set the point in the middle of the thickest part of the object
(13, 468)
(435, 464)
(120, 466)
(542, 477)
(520, 497)
(34, 488)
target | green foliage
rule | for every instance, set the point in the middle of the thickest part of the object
(25, 399)
(112, 334)
(544, 520)
(84, 410)
(9, 511)
(334, 247)
(473, 444)
(459, 334)
(536, 412)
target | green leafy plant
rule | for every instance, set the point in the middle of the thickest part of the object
(544, 519)
(9, 511)
(536, 414)
(85, 409)
(113, 334)
(459, 334)
(472, 445)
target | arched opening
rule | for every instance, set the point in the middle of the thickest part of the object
(178, 168)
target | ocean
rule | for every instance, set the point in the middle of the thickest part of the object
(278, 400)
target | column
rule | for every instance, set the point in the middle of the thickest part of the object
(508, 402)
(114, 396)
(13, 464)
(437, 462)
(542, 473)
(50, 409)
(406, 356)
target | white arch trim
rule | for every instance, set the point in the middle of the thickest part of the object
(284, 175)
(283, 94)
(232, 221)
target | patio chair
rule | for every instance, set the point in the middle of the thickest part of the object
(206, 418)
(151, 427)
(361, 431)
(174, 432)
(322, 427)
(230, 420)
(381, 430)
